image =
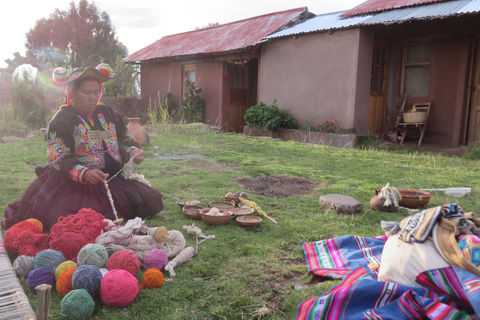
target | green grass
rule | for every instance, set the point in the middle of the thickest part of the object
(251, 273)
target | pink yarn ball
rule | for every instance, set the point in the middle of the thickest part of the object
(156, 258)
(60, 74)
(125, 260)
(118, 288)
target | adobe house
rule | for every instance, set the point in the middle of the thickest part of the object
(223, 60)
(355, 66)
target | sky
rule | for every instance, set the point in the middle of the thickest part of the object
(139, 23)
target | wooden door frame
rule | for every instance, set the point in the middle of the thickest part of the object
(469, 132)
(386, 45)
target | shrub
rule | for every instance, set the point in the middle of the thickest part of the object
(270, 117)
(326, 126)
(192, 106)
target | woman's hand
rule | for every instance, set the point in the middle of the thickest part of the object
(94, 176)
(139, 155)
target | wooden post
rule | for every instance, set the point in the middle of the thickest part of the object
(43, 301)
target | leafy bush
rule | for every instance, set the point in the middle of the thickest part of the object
(192, 106)
(28, 99)
(270, 117)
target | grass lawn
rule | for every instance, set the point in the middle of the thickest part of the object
(251, 273)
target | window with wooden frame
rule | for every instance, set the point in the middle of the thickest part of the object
(188, 74)
(416, 69)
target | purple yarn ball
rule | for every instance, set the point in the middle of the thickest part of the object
(40, 276)
(155, 258)
(87, 277)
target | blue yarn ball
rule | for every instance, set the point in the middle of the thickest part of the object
(110, 251)
(77, 305)
(49, 259)
(87, 277)
(40, 276)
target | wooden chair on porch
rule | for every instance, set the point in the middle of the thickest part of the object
(417, 118)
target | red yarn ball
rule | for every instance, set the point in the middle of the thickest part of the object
(9, 239)
(118, 288)
(125, 260)
(28, 225)
(69, 243)
(30, 243)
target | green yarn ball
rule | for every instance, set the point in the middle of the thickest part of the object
(94, 255)
(77, 305)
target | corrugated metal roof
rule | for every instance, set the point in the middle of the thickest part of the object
(334, 20)
(372, 6)
(225, 37)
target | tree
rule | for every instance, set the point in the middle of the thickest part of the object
(210, 24)
(80, 36)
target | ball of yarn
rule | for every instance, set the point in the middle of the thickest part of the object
(64, 282)
(77, 305)
(28, 225)
(69, 243)
(110, 251)
(49, 259)
(119, 287)
(37, 222)
(87, 277)
(155, 258)
(60, 74)
(23, 265)
(125, 260)
(69, 264)
(470, 246)
(30, 243)
(40, 276)
(93, 254)
(152, 278)
(9, 239)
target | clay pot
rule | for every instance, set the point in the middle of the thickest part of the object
(377, 204)
(139, 132)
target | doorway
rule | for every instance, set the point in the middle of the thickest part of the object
(474, 116)
(378, 88)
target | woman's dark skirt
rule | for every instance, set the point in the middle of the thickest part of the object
(51, 196)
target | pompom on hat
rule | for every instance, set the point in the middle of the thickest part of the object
(103, 72)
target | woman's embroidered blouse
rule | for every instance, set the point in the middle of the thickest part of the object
(77, 142)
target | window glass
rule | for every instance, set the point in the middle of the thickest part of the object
(416, 70)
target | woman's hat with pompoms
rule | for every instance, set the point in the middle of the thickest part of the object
(103, 72)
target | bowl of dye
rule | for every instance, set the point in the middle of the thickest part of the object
(248, 221)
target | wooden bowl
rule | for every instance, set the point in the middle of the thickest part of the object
(183, 203)
(235, 200)
(414, 198)
(221, 205)
(191, 212)
(245, 211)
(248, 221)
(215, 220)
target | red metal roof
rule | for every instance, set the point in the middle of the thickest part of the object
(372, 6)
(225, 37)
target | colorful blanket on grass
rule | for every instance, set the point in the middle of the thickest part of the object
(448, 293)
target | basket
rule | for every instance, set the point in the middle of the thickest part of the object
(415, 116)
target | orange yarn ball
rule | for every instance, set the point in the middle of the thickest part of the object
(64, 282)
(125, 260)
(152, 278)
(37, 222)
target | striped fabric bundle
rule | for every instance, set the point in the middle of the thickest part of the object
(448, 293)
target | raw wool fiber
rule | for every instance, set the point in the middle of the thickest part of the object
(136, 237)
(110, 251)
(88, 278)
(40, 276)
(125, 260)
(23, 265)
(77, 305)
(69, 264)
(9, 240)
(69, 243)
(155, 258)
(86, 222)
(93, 254)
(152, 278)
(48, 258)
(119, 288)
(183, 256)
(64, 282)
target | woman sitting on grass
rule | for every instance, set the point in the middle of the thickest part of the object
(87, 143)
